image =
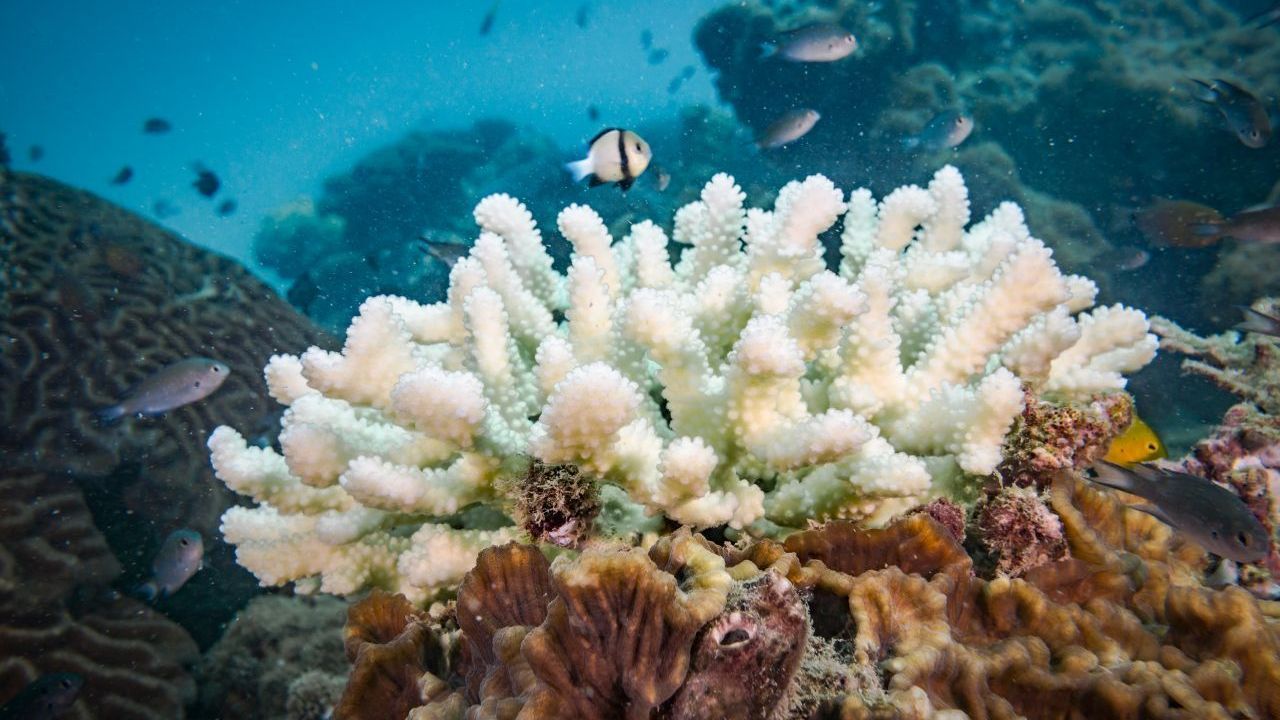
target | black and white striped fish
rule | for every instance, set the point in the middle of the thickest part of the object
(614, 155)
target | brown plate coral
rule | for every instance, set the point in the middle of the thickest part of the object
(835, 622)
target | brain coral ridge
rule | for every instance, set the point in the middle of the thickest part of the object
(835, 622)
(745, 384)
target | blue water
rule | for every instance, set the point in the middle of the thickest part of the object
(276, 96)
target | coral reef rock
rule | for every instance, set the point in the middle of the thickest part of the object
(834, 622)
(745, 385)
(1243, 452)
(59, 614)
(280, 659)
(94, 299)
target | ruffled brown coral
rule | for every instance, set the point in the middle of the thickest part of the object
(92, 300)
(839, 622)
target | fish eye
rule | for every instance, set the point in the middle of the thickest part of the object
(1213, 534)
(1151, 446)
(1243, 538)
(184, 542)
(197, 383)
(66, 683)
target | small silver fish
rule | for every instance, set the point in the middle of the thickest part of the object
(1260, 226)
(818, 42)
(946, 130)
(180, 556)
(45, 698)
(1243, 114)
(788, 128)
(1126, 259)
(614, 155)
(664, 179)
(1212, 516)
(181, 383)
(448, 253)
(1257, 322)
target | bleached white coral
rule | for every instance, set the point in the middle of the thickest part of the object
(748, 385)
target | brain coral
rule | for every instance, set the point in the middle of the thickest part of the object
(58, 615)
(835, 622)
(93, 299)
(745, 385)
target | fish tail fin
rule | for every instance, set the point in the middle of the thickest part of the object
(579, 169)
(148, 591)
(1118, 477)
(109, 415)
(767, 50)
(1256, 322)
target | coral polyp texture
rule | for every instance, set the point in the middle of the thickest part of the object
(745, 385)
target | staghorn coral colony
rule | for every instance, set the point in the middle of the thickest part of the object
(744, 386)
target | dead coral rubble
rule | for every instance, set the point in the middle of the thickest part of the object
(836, 623)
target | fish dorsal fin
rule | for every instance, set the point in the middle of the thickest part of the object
(601, 134)
(1116, 477)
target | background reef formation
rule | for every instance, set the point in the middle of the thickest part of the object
(1243, 452)
(92, 300)
(1119, 67)
(59, 614)
(743, 385)
(835, 622)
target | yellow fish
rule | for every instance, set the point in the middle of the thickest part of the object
(1138, 443)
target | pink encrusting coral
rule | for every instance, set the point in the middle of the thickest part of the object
(1020, 531)
(1051, 437)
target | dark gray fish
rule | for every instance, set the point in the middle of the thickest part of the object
(448, 253)
(787, 129)
(582, 16)
(646, 39)
(124, 176)
(173, 386)
(1266, 17)
(1125, 259)
(156, 126)
(947, 129)
(818, 42)
(486, 25)
(657, 56)
(1214, 517)
(45, 698)
(227, 207)
(1243, 113)
(180, 556)
(164, 209)
(1256, 322)
(1260, 226)
(206, 182)
(35, 153)
(673, 87)
(593, 113)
